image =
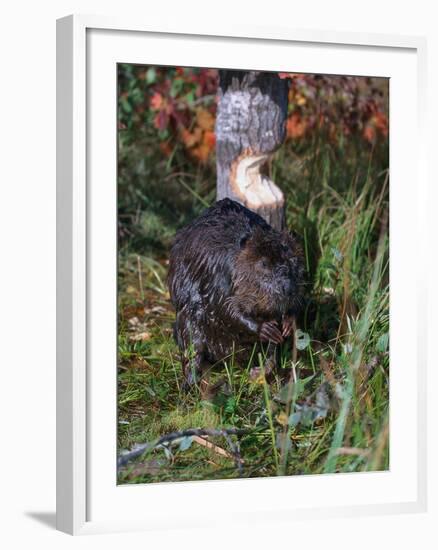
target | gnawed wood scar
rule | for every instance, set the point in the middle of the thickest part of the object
(253, 188)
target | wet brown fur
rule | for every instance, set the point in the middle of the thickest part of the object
(235, 282)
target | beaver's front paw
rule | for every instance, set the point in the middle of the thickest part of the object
(269, 332)
(287, 326)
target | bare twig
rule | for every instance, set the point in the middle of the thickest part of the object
(352, 451)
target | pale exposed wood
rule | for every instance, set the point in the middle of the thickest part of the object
(209, 445)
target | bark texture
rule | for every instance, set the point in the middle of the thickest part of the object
(250, 126)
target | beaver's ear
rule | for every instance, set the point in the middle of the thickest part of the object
(289, 234)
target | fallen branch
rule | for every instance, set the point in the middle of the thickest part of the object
(139, 450)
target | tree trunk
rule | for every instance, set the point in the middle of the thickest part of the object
(250, 126)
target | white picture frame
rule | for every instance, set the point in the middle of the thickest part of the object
(86, 503)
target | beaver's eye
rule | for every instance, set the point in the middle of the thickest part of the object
(244, 240)
(264, 263)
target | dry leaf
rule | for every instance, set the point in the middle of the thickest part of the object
(205, 119)
(140, 337)
(282, 418)
(191, 138)
(202, 152)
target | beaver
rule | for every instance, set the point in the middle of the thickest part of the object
(234, 282)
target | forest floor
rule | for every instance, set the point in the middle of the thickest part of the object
(327, 411)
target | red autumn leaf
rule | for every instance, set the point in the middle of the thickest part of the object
(369, 133)
(381, 123)
(156, 101)
(209, 138)
(296, 126)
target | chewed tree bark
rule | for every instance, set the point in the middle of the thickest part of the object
(250, 126)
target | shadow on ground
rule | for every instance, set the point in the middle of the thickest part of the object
(46, 518)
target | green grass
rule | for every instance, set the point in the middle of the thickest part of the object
(328, 412)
